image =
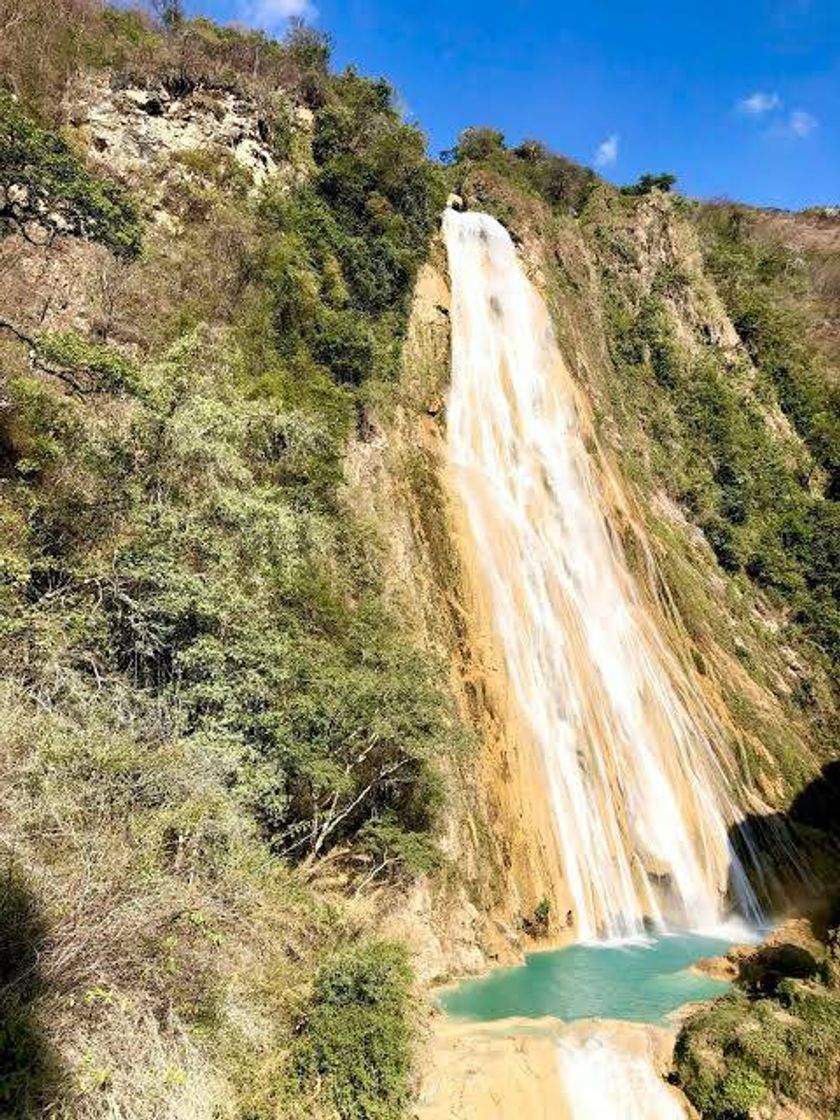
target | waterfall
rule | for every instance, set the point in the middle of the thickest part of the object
(639, 796)
(604, 1082)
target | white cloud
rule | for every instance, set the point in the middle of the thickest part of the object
(271, 14)
(607, 151)
(758, 103)
(801, 123)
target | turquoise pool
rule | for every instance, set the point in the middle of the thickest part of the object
(640, 982)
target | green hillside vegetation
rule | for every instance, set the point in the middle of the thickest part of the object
(761, 284)
(222, 749)
(203, 690)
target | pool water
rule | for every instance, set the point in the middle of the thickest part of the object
(641, 982)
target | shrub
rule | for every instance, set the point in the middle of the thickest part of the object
(342, 343)
(355, 1036)
(559, 181)
(91, 366)
(733, 1056)
(648, 183)
(354, 238)
(743, 1089)
(478, 143)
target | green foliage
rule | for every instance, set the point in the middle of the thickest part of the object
(223, 510)
(731, 1057)
(355, 1038)
(796, 549)
(536, 923)
(477, 143)
(183, 557)
(648, 183)
(744, 487)
(205, 686)
(757, 281)
(43, 183)
(562, 183)
(102, 368)
(341, 254)
(342, 343)
(542, 912)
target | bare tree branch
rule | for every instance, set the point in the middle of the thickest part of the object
(63, 373)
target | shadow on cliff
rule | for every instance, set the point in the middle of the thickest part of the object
(28, 1070)
(792, 859)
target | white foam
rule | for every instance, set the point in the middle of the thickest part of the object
(604, 1083)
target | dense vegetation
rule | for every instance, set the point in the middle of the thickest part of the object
(775, 1043)
(355, 1034)
(217, 734)
(755, 496)
(562, 183)
(759, 281)
(203, 687)
(44, 184)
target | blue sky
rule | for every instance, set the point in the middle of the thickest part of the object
(739, 98)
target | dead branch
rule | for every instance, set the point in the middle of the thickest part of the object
(62, 373)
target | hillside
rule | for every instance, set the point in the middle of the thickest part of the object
(261, 783)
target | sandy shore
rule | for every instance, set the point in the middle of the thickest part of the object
(508, 1070)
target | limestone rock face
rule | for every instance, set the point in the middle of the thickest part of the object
(146, 135)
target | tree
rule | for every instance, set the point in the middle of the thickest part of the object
(531, 150)
(647, 183)
(310, 48)
(477, 143)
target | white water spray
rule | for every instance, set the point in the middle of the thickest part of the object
(639, 798)
(605, 1083)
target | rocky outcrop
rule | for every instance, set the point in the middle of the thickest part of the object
(154, 140)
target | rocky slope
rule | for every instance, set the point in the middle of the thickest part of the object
(231, 554)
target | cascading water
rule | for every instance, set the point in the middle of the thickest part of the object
(639, 798)
(603, 1082)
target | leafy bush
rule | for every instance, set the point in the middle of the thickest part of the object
(648, 183)
(731, 1057)
(355, 1037)
(342, 343)
(44, 184)
(352, 241)
(562, 183)
(92, 366)
(478, 143)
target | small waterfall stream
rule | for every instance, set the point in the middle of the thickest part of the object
(640, 801)
(605, 1083)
